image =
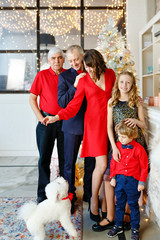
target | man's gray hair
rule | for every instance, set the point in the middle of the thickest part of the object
(73, 47)
(54, 50)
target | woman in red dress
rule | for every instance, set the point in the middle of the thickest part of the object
(96, 85)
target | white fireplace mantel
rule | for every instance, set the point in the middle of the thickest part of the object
(152, 117)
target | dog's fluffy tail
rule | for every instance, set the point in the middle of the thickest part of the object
(26, 210)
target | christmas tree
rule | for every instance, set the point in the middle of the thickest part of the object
(111, 44)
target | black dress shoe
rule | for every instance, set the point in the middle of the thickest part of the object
(41, 199)
(99, 228)
(94, 217)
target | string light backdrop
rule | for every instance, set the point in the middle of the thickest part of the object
(69, 21)
(56, 22)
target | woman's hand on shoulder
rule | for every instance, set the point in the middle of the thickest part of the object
(81, 75)
(50, 119)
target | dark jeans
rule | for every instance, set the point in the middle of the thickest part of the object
(46, 136)
(126, 190)
(71, 147)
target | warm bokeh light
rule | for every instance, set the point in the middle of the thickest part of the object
(56, 22)
(64, 24)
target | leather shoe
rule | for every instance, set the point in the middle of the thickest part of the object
(94, 217)
(41, 199)
(99, 228)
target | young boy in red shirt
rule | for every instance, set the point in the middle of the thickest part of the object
(128, 176)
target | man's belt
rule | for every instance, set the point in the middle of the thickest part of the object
(45, 114)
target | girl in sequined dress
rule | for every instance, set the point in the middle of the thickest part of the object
(125, 105)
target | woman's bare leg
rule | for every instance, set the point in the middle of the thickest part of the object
(102, 199)
(110, 200)
(97, 176)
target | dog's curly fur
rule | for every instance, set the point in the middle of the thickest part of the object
(51, 209)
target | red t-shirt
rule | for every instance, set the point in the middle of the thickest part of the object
(133, 162)
(45, 85)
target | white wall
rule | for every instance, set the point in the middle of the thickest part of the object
(136, 19)
(139, 12)
(17, 126)
(151, 8)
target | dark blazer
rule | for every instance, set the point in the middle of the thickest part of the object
(66, 92)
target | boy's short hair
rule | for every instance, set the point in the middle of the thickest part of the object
(130, 132)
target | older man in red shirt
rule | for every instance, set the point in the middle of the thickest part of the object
(45, 86)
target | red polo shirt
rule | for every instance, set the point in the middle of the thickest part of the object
(45, 85)
(133, 162)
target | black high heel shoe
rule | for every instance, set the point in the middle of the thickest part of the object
(94, 217)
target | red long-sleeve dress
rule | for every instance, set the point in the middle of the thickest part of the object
(95, 139)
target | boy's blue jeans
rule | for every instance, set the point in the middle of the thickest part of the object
(126, 190)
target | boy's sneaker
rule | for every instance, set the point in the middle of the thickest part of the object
(115, 231)
(135, 234)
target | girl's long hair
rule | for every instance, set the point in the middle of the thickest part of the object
(94, 59)
(133, 93)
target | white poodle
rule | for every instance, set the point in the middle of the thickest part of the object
(57, 207)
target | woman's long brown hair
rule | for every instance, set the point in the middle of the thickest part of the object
(94, 59)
